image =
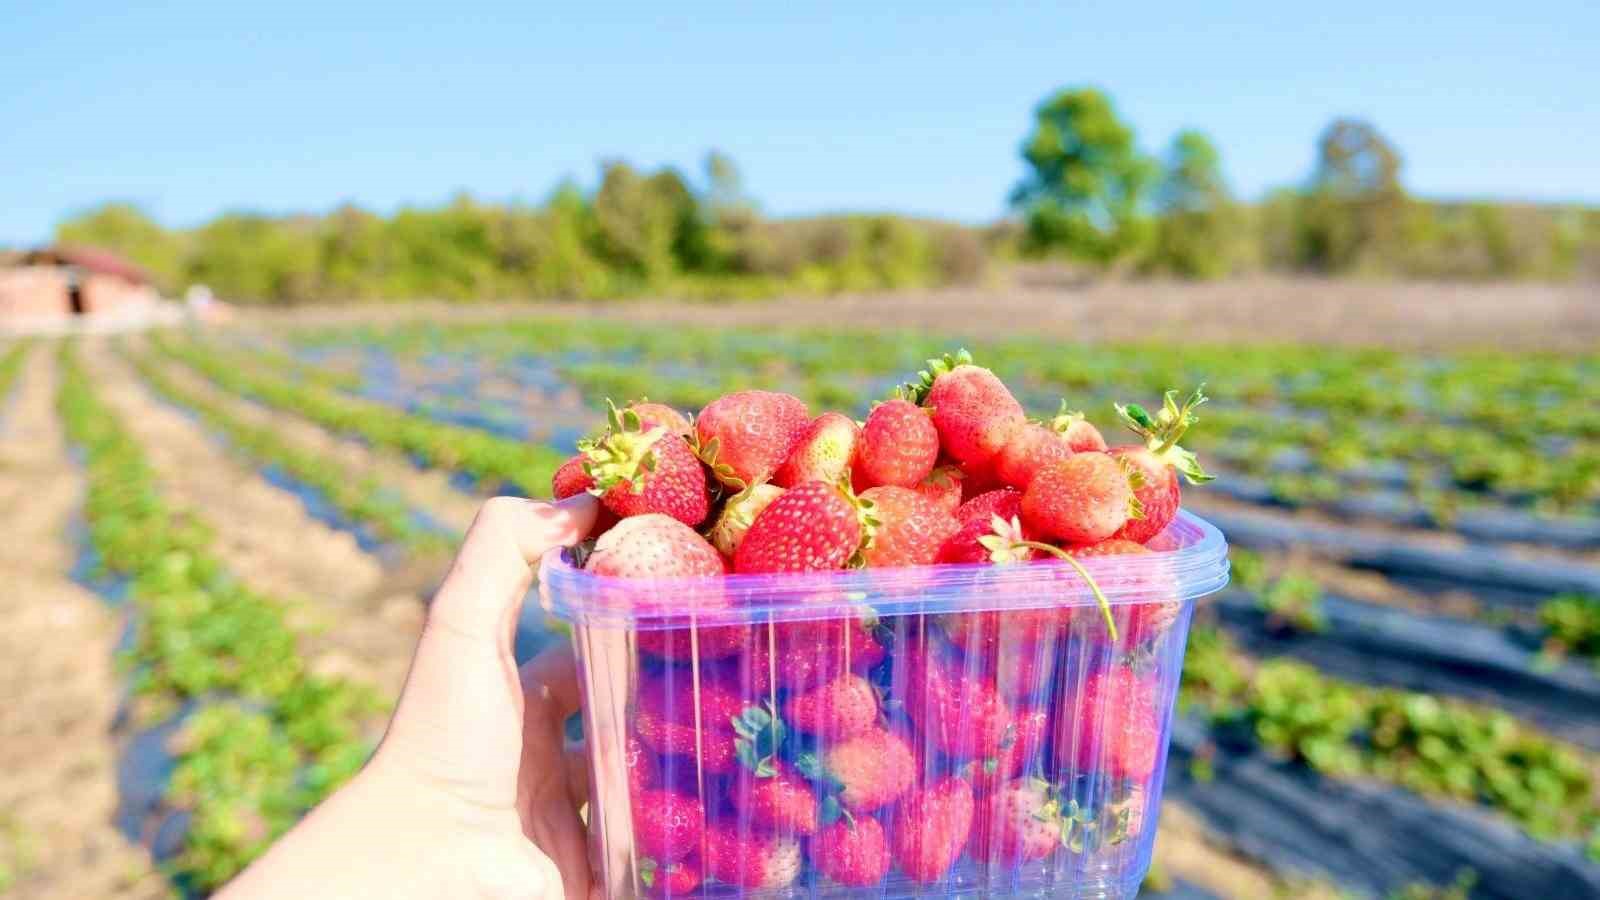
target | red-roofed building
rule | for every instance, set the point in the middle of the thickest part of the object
(56, 284)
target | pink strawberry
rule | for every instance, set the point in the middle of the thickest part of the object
(653, 546)
(839, 710)
(1016, 752)
(870, 770)
(1080, 500)
(815, 651)
(639, 470)
(959, 715)
(751, 859)
(824, 451)
(783, 801)
(643, 770)
(679, 879)
(853, 851)
(1115, 726)
(712, 642)
(899, 446)
(1081, 435)
(931, 827)
(813, 526)
(1139, 621)
(973, 411)
(1158, 462)
(1020, 822)
(992, 541)
(746, 435)
(910, 531)
(667, 826)
(1031, 447)
(1003, 502)
(737, 515)
(943, 487)
(989, 632)
(664, 719)
(652, 414)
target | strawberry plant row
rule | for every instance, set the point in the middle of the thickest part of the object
(264, 738)
(11, 367)
(358, 499)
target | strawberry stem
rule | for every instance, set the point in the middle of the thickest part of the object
(1058, 553)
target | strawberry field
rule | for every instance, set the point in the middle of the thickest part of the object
(228, 540)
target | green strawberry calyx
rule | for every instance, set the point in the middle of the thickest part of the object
(647, 872)
(917, 391)
(1162, 431)
(708, 453)
(624, 454)
(1064, 419)
(760, 733)
(866, 516)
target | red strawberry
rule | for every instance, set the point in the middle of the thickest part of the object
(571, 479)
(853, 851)
(930, 829)
(652, 414)
(664, 718)
(1115, 726)
(653, 546)
(1014, 755)
(746, 435)
(1158, 462)
(870, 770)
(813, 526)
(783, 802)
(639, 470)
(1019, 822)
(910, 531)
(680, 644)
(812, 652)
(1081, 436)
(1030, 448)
(751, 859)
(667, 826)
(838, 710)
(992, 541)
(824, 451)
(973, 411)
(959, 715)
(943, 487)
(1139, 621)
(1003, 502)
(737, 514)
(643, 770)
(1080, 500)
(678, 879)
(899, 446)
(988, 633)
(979, 478)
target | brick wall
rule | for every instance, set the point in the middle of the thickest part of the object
(33, 293)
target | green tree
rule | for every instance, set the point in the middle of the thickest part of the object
(1355, 212)
(1087, 185)
(126, 230)
(244, 256)
(647, 224)
(1198, 229)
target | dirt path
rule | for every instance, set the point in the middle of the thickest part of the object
(354, 623)
(1185, 851)
(58, 687)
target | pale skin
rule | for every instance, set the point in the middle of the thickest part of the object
(471, 793)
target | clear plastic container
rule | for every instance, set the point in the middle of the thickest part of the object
(962, 731)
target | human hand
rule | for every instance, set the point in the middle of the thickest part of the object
(470, 793)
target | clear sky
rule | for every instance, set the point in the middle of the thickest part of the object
(192, 109)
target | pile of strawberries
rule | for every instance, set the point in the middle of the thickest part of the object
(863, 744)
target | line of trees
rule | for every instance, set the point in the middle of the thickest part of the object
(1091, 198)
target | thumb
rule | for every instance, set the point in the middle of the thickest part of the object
(459, 718)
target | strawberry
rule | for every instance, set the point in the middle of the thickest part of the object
(1081, 436)
(712, 642)
(653, 545)
(783, 802)
(665, 720)
(989, 632)
(643, 770)
(737, 514)
(746, 435)
(1003, 502)
(973, 411)
(979, 478)
(868, 771)
(571, 479)
(679, 879)
(653, 414)
(639, 470)
(1014, 755)
(959, 715)
(853, 851)
(818, 650)
(838, 710)
(813, 526)
(1115, 726)
(931, 827)
(1139, 621)
(1080, 500)
(943, 487)
(993, 541)
(910, 531)
(1032, 447)
(899, 446)
(751, 859)
(667, 826)
(1019, 822)
(824, 451)
(1158, 462)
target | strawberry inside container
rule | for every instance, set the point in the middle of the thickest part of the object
(950, 730)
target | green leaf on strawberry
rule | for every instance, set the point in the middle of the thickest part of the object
(760, 734)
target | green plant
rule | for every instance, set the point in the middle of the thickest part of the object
(1572, 624)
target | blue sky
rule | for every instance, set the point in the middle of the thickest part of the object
(189, 110)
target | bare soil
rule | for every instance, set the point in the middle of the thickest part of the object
(59, 690)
